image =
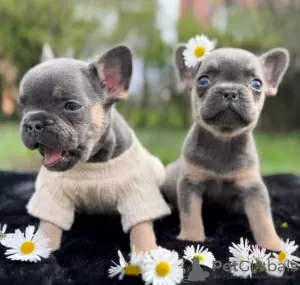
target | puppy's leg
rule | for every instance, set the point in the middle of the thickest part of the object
(190, 208)
(142, 237)
(53, 232)
(258, 211)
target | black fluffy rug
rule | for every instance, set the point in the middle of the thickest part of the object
(87, 250)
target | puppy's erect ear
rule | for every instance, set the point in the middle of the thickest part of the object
(47, 53)
(274, 64)
(186, 74)
(115, 70)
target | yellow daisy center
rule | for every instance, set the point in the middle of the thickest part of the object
(200, 257)
(199, 51)
(132, 270)
(281, 256)
(162, 269)
(27, 247)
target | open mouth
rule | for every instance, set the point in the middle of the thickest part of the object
(52, 156)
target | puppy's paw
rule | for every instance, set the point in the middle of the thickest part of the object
(272, 243)
(54, 244)
(198, 237)
(145, 248)
(54, 234)
(142, 237)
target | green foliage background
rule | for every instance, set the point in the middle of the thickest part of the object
(27, 25)
(161, 119)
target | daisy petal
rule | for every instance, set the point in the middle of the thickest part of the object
(29, 232)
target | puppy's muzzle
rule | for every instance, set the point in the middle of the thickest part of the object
(230, 96)
(38, 125)
(228, 107)
(32, 126)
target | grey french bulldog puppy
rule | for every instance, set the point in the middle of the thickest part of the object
(68, 114)
(219, 157)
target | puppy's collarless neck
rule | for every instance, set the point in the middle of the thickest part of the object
(207, 151)
(219, 137)
(115, 141)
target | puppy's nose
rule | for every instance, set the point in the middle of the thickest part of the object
(35, 125)
(38, 125)
(230, 95)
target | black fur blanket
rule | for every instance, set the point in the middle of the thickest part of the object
(87, 250)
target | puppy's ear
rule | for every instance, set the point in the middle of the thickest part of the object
(114, 69)
(185, 74)
(274, 64)
(47, 53)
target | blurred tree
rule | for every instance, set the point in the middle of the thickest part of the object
(282, 18)
(264, 26)
(134, 22)
(27, 25)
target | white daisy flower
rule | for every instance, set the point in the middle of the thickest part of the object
(3, 235)
(260, 258)
(285, 255)
(259, 254)
(3, 231)
(162, 267)
(30, 247)
(196, 48)
(204, 256)
(133, 268)
(242, 260)
(274, 268)
(241, 267)
(240, 250)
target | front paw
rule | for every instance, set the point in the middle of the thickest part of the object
(196, 237)
(272, 243)
(144, 248)
(54, 234)
(54, 244)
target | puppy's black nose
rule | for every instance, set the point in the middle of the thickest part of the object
(38, 125)
(230, 95)
(35, 125)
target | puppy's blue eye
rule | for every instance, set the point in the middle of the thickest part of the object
(203, 81)
(256, 84)
(72, 106)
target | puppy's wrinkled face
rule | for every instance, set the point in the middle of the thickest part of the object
(229, 87)
(66, 105)
(228, 93)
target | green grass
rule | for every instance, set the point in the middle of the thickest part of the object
(278, 152)
(13, 154)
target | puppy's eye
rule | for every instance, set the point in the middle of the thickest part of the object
(203, 81)
(256, 84)
(72, 106)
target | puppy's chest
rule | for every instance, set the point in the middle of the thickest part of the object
(221, 158)
(92, 196)
(225, 192)
(226, 185)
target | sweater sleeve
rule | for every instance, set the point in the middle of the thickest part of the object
(49, 202)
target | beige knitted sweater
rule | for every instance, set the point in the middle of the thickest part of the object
(127, 184)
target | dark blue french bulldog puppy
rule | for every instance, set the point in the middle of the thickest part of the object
(219, 158)
(92, 160)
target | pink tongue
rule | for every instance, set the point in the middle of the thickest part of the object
(51, 155)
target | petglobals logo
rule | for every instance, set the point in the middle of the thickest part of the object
(232, 270)
(194, 272)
